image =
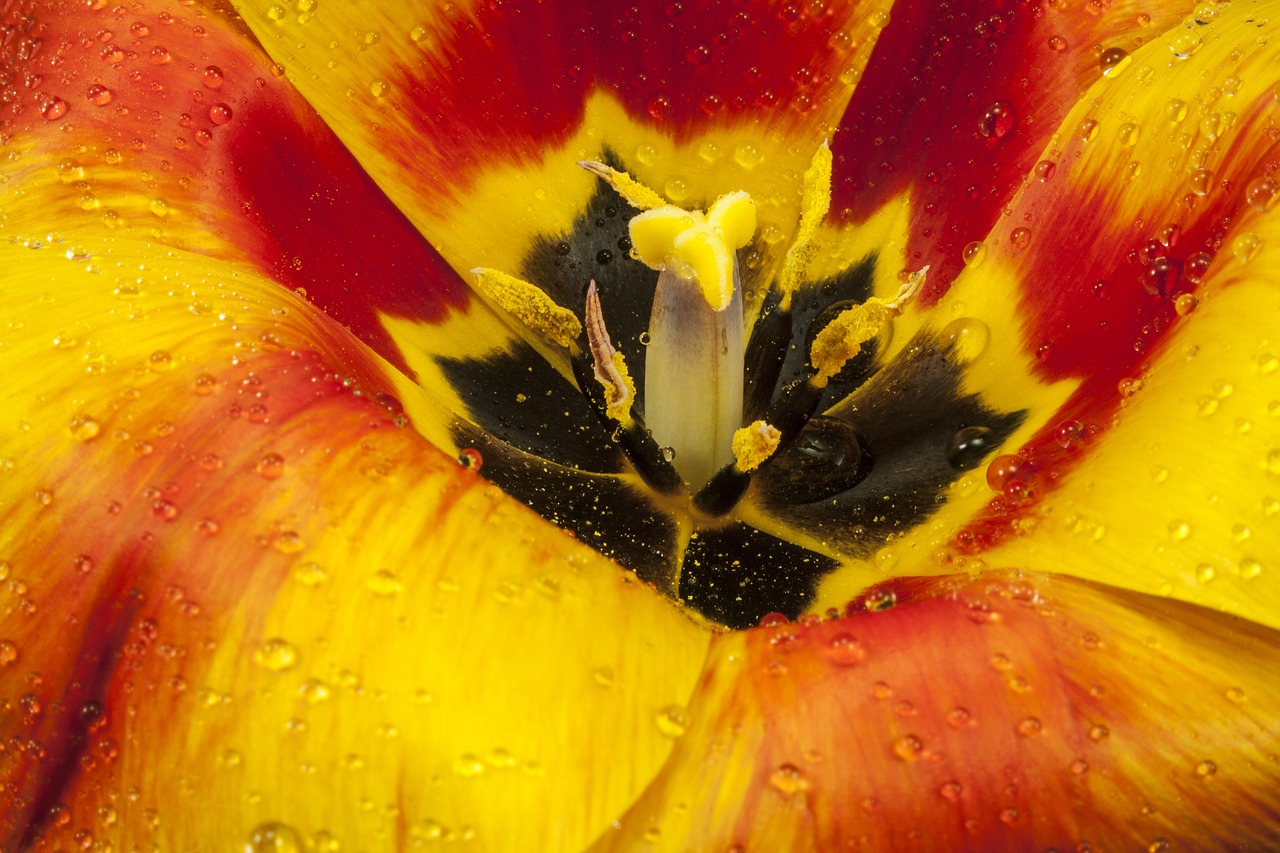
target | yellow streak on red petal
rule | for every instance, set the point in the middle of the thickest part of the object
(1002, 714)
(238, 592)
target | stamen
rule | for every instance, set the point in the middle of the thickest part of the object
(610, 367)
(753, 444)
(815, 201)
(528, 304)
(636, 194)
(844, 336)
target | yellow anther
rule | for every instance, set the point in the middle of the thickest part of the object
(609, 366)
(753, 444)
(842, 338)
(695, 246)
(636, 194)
(815, 201)
(528, 304)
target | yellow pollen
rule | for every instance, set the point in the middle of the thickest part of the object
(619, 389)
(695, 246)
(529, 305)
(842, 338)
(815, 201)
(636, 194)
(753, 444)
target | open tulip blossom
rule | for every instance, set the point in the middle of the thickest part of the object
(705, 425)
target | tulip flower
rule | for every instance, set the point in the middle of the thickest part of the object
(717, 425)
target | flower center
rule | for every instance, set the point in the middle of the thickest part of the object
(733, 439)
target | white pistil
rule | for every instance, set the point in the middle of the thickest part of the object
(693, 376)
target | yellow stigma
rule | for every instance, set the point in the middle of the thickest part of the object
(842, 338)
(753, 444)
(695, 246)
(528, 304)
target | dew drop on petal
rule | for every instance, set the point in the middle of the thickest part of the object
(98, 95)
(276, 655)
(908, 747)
(998, 120)
(672, 721)
(1045, 169)
(974, 253)
(219, 114)
(273, 837)
(53, 108)
(1020, 238)
(1261, 193)
(845, 650)
(1245, 247)
(1113, 61)
(788, 779)
(1205, 769)
(8, 653)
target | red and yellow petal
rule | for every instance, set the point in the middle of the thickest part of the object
(242, 600)
(167, 122)
(474, 114)
(960, 101)
(995, 714)
(1108, 255)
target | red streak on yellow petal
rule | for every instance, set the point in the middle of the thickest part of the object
(979, 715)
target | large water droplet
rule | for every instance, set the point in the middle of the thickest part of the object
(276, 655)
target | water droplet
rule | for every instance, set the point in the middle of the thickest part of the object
(1029, 727)
(1179, 530)
(951, 791)
(211, 77)
(314, 691)
(1128, 134)
(1020, 238)
(470, 459)
(53, 108)
(672, 721)
(98, 95)
(160, 361)
(84, 428)
(1057, 44)
(8, 653)
(603, 676)
(1114, 61)
(1196, 266)
(998, 120)
(1097, 734)
(974, 253)
(967, 338)
(1245, 247)
(468, 766)
(845, 650)
(1176, 110)
(788, 779)
(1185, 43)
(959, 718)
(1045, 170)
(747, 156)
(270, 466)
(310, 574)
(646, 154)
(379, 88)
(968, 447)
(276, 655)
(384, 583)
(1185, 304)
(219, 114)
(1205, 769)
(159, 55)
(1250, 568)
(1004, 469)
(273, 837)
(289, 542)
(1236, 695)
(908, 747)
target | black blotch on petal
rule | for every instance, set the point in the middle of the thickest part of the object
(520, 399)
(906, 418)
(735, 575)
(810, 309)
(605, 513)
(563, 266)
